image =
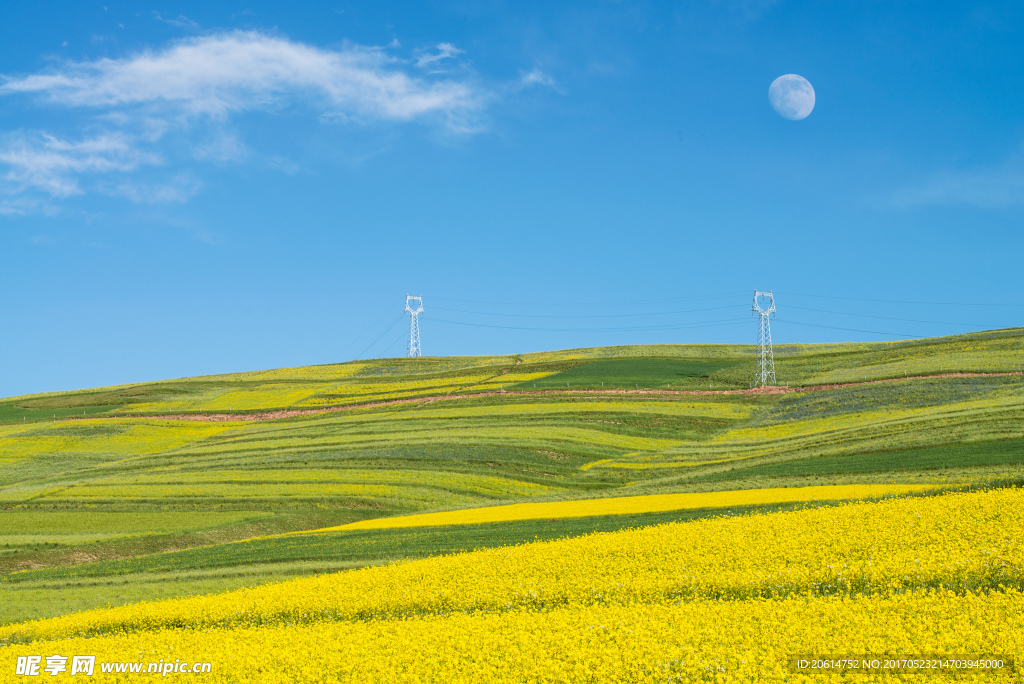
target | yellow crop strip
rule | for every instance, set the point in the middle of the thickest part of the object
(622, 505)
(715, 641)
(964, 542)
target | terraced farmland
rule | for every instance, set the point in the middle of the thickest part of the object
(163, 480)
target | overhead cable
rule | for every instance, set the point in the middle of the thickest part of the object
(373, 326)
(600, 303)
(386, 331)
(707, 324)
(629, 315)
(391, 346)
(832, 327)
(890, 318)
(899, 301)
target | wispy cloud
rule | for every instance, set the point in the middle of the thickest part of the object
(180, 22)
(175, 190)
(224, 74)
(15, 207)
(221, 147)
(993, 188)
(536, 77)
(50, 164)
(430, 60)
(125, 109)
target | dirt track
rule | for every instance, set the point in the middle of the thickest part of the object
(291, 413)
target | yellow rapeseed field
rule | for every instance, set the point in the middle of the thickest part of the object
(729, 599)
(955, 541)
(621, 505)
(698, 641)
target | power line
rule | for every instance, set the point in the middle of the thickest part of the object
(712, 308)
(386, 331)
(832, 327)
(890, 318)
(707, 324)
(673, 326)
(898, 301)
(631, 315)
(355, 340)
(575, 304)
(392, 345)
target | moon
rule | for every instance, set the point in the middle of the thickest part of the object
(791, 96)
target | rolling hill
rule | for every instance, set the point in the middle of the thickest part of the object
(188, 486)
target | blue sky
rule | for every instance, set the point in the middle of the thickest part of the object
(196, 188)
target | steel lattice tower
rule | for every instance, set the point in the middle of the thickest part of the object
(765, 359)
(414, 324)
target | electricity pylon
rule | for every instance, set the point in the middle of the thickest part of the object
(414, 324)
(765, 358)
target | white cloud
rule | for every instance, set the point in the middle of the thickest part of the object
(994, 188)
(8, 208)
(222, 74)
(52, 165)
(536, 77)
(430, 60)
(174, 191)
(181, 22)
(167, 107)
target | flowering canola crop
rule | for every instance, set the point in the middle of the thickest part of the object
(621, 505)
(728, 599)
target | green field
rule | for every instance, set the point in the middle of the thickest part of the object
(110, 495)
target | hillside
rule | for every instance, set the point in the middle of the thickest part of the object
(103, 479)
